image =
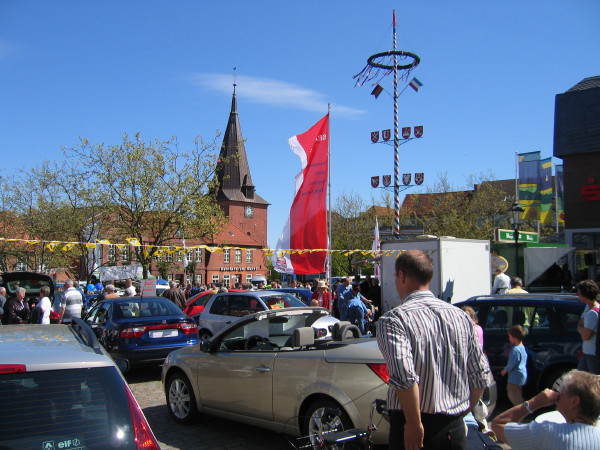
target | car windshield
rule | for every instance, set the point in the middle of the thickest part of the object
(78, 408)
(281, 300)
(276, 331)
(148, 308)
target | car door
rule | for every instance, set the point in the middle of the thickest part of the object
(236, 380)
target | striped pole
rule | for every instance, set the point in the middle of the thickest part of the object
(396, 143)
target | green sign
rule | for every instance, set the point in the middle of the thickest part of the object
(524, 236)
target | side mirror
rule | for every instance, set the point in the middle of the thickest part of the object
(205, 346)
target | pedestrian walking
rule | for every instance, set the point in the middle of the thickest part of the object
(516, 368)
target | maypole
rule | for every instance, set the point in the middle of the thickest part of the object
(378, 66)
(396, 141)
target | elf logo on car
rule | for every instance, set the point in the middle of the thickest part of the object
(48, 445)
(69, 443)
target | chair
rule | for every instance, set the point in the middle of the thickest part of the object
(303, 337)
(127, 313)
(345, 330)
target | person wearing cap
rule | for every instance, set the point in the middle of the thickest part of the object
(322, 295)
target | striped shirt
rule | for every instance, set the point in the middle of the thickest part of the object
(433, 344)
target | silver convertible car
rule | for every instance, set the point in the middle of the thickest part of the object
(283, 370)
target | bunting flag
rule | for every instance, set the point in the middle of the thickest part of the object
(415, 84)
(306, 227)
(378, 90)
(546, 191)
(529, 184)
(133, 241)
(560, 194)
(376, 248)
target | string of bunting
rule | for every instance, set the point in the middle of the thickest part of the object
(171, 249)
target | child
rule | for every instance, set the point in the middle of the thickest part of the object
(517, 365)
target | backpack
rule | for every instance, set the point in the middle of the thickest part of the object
(36, 315)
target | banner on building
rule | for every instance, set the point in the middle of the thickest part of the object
(546, 191)
(306, 227)
(560, 194)
(529, 184)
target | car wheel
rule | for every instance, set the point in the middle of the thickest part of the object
(180, 399)
(204, 335)
(325, 415)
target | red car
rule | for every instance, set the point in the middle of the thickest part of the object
(195, 305)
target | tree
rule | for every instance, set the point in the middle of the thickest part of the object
(463, 213)
(351, 229)
(152, 191)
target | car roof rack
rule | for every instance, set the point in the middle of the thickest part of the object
(86, 334)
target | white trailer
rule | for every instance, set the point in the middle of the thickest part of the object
(462, 267)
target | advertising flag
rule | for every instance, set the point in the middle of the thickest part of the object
(546, 191)
(306, 228)
(529, 184)
(560, 194)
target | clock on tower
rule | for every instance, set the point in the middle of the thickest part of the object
(248, 211)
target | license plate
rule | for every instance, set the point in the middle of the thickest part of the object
(163, 333)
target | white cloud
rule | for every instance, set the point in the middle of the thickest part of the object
(272, 92)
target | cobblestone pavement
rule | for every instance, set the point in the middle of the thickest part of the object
(209, 433)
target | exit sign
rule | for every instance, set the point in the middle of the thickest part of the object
(524, 236)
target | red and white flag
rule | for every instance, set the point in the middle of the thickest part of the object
(306, 228)
(376, 249)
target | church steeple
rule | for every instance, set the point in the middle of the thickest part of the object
(233, 172)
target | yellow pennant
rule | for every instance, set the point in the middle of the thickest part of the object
(68, 246)
(52, 245)
(133, 241)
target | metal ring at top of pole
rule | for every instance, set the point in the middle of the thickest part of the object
(414, 63)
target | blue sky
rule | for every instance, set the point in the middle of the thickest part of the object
(490, 72)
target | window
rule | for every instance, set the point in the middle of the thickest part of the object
(198, 254)
(248, 256)
(248, 278)
(238, 256)
(226, 280)
(87, 403)
(168, 257)
(111, 253)
(179, 256)
(21, 266)
(215, 278)
(226, 256)
(198, 278)
(126, 254)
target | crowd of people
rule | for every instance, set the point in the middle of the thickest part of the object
(434, 354)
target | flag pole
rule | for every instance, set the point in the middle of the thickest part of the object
(556, 199)
(328, 260)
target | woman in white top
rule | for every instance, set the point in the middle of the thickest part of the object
(578, 402)
(45, 305)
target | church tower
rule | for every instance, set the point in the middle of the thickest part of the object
(236, 192)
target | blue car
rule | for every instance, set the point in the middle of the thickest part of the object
(141, 330)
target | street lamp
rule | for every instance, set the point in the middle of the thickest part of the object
(515, 217)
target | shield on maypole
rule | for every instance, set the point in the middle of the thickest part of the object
(405, 132)
(374, 136)
(387, 180)
(419, 178)
(419, 131)
(375, 181)
(386, 134)
(406, 179)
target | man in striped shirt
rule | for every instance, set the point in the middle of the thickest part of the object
(437, 368)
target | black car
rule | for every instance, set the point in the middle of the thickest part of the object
(552, 341)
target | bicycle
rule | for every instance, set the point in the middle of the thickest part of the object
(358, 438)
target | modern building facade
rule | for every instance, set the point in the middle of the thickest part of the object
(577, 143)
